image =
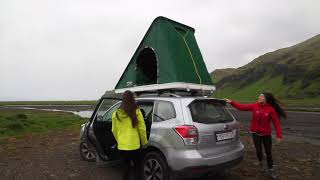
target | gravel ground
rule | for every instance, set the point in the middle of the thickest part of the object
(55, 155)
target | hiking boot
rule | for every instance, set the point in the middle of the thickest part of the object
(271, 174)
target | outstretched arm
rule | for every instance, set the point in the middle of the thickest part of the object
(241, 107)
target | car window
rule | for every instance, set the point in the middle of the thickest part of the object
(209, 112)
(164, 110)
(146, 109)
(104, 113)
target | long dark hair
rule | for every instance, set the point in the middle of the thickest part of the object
(129, 105)
(275, 103)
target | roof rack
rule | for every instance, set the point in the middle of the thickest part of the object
(175, 88)
(164, 94)
(170, 94)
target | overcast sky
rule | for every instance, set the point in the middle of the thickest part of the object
(78, 49)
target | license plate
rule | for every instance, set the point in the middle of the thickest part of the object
(224, 136)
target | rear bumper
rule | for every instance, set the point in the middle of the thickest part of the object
(191, 163)
(198, 171)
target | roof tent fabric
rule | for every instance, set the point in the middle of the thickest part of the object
(167, 53)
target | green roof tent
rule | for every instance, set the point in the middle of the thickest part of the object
(168, 54)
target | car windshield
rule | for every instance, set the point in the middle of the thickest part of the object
(209, 112)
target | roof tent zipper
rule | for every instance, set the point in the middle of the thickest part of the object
(185, 42)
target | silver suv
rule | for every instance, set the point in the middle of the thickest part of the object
(187, 136)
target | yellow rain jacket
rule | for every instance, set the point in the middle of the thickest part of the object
(126, 136)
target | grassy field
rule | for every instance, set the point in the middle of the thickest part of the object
(85, 102)
(251, 92)
(21, 122)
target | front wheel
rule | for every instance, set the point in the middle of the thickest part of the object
(87, 152)
(155, 167)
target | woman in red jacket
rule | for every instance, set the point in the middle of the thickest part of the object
(268, 109)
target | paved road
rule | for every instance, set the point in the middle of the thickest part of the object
(298, 125)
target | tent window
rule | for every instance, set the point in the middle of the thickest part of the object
(146, 72)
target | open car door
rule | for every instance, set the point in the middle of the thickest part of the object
(100, 133)
(101, 124)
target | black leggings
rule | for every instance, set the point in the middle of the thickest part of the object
(132, 164)
(267, 143)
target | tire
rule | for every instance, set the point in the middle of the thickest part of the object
(87, 152)
(220, 174)
(155, 167)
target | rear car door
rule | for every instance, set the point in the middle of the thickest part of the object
(217, 129)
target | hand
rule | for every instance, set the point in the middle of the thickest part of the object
(279, 140)
(144, 146)
(227, 100)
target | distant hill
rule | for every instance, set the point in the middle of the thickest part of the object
(292, 74)
(221, 73)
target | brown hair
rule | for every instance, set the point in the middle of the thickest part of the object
(129, 105)
(275, 103)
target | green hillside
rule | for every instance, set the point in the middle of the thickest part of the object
(292, 74)
(221, 73)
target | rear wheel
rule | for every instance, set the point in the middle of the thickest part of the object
(155, 167)
(87, 152)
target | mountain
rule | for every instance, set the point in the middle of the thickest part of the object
(291, 73)
(221, 73)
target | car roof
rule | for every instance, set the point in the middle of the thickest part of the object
(171, 98)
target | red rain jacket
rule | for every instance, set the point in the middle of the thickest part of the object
(263, 114)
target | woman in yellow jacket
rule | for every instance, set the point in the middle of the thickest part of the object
(129, 130)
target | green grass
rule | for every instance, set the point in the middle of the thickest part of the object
(85, 102)
(251, 92)
(292, 74)
(21, 122)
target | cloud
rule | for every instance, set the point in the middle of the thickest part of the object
(77, 49)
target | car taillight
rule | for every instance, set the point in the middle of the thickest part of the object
(189, 134)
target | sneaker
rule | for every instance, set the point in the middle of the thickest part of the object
(271, 174)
